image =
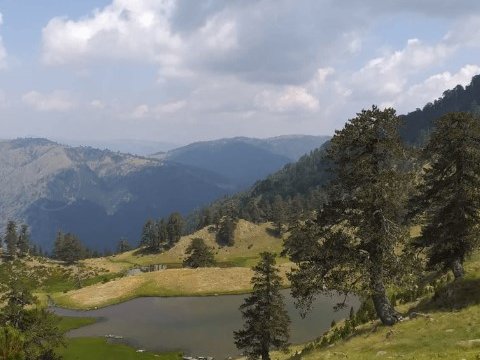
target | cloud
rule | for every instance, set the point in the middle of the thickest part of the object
(465, 33)
(144, 110)
(253, 40)
(54, 101)
(171, 107)
(290, 99)
(3, 51)
(97, 104)
(386, 76)
(433, 87)
(140, 111)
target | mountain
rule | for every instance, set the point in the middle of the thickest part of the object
(97, 194)
(244, 160)
(418, 123)
(128, 146)
(300, 184)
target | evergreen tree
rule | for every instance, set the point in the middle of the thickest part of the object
(449, 195)
(68, 248)
(266, 319)
(351, 244)
(11, 238)
(24, 241)
(162, 235)
(279, 215)
(22, 321)
(175, 226)
(122, 247)
(226, 231)
(149, 235)
(199, 255)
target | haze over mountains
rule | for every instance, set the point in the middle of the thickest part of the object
(102, 195)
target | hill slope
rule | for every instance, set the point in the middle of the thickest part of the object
(304, 179)
(97, 194)
(245, 160)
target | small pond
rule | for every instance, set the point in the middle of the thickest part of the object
(198, 326)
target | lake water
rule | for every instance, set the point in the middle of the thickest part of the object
(197, 326)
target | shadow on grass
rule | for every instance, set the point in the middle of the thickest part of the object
(273, 232)
(453, 296)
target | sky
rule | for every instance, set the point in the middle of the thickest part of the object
(180, 71)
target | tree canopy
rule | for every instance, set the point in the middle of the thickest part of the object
(449, 193)
(266, 319)
(351, 244)
(198, 254)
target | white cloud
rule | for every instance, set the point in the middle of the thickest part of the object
(387, 76)
(54, 101)
(433, 87)
(289, 99)
(171, 107)
(466, 32)
(129, 30)
(97, 104)
(144, 111)
(140, 111)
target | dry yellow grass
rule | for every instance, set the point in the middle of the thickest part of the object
(173, 282)
(250, 241)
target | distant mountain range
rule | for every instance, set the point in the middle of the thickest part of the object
(305, 178)
(127, 146)
(102, 195)
(245, 160)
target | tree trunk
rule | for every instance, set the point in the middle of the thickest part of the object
(265, 354)
(457, 269)
(383, 307)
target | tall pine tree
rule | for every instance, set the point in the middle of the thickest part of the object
(24, 241)
(266, 319)
(449, 195)
(11, 238)
(351, 245)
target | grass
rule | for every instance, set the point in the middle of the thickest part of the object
(68, 323)
(100, 349)
(173, 282)
(92, 348)
(250, 241)
(448, 329)
(231, 276)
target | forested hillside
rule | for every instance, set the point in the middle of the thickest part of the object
(298, 186)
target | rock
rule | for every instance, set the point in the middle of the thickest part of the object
(467, 344)
(449, 330)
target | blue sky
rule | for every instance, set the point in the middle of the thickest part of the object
(180, 71)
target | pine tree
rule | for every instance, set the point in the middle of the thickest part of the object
(11, 238)
(149, 235)
(122, 247)
(351, 244)
(266, 319)
(68, 248)
(449, 195)
(226, 231)
(24, 241)
(279, 215)
(199, 255)
(175, 226)
(162, 235)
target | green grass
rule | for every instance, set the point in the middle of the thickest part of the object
(68, 323)
(449, 328)
(60, 283)
(92, 348)
(100, 349)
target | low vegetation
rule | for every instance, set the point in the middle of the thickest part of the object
(173, 282)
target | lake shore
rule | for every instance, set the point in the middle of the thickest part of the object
(163, 283)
